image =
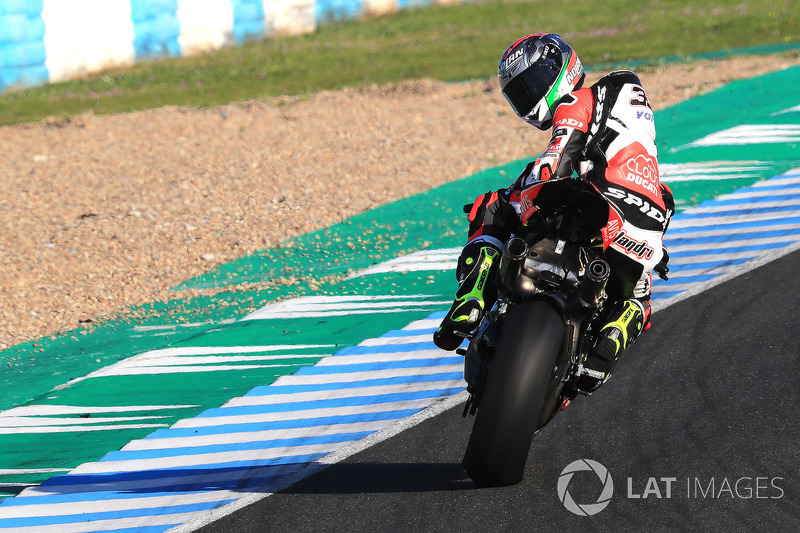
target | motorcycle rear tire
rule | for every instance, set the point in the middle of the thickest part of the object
(514, 395)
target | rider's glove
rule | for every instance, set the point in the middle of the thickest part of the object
(661, 268)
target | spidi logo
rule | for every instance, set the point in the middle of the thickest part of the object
(585, 509)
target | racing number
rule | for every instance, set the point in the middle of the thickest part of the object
(639, 98)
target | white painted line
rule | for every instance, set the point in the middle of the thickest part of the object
(219, 350)
(737, 232)
(75, 429)
(172, 327)
(352, 377)
(695, 272)
(386, 341)
(207, 360)
(153, 370)
(123, 367)
(44, 410)
(423, 260)
(16, 471)
(24, 421)
(145, 502)
(791, 178)
(358, 359)
(332, 305)
(318, 314)
(254, 436)
(713, 257)
(708, 177)
(348, 306)
(424, 324)
(427, 256)
(139, 522)
(756, 193)
(744, 207)
(712, 167)
(752, 218)
(672, 287)
(406, 267)
(302, 414)
(710, 170)
(730, 244)
(751, 134)
(349, 392)
(794, 109)
(182, 461)
(181, 479)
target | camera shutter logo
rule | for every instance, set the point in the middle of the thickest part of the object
(585, 509)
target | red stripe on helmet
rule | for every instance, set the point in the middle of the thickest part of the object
(573, 58)
(515, 43)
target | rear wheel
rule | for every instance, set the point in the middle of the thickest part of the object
(514, 395)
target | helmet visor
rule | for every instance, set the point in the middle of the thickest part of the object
(530, 86)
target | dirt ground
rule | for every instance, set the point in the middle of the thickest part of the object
(100, 213)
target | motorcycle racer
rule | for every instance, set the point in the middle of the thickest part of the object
(606, 134)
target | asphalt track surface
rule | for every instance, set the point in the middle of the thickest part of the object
(709, 393)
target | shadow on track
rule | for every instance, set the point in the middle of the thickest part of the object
(378, 478)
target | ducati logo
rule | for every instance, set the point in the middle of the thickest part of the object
(643, 172)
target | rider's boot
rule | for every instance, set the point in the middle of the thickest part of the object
(477, 269)
(621, 328)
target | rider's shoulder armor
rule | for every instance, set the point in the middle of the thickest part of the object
(621, 106)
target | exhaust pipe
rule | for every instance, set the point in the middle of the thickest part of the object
(511, 265)
(594, 284)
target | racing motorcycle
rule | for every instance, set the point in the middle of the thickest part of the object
(523, 361)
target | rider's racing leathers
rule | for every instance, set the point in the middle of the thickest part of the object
(606, 134)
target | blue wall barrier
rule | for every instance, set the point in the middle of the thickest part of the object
(328, 10)
(248, 20)
(156, 28)
(44, 41)
(404, 4)
(22, 52)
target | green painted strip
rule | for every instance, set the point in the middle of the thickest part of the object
(725, 108)
(752, 101)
